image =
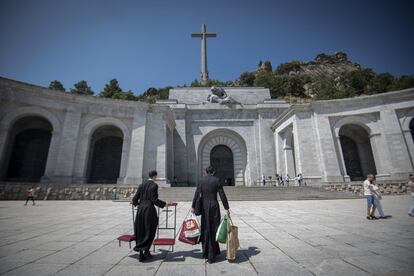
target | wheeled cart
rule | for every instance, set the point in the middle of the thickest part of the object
(167, 226)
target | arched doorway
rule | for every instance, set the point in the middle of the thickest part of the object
(411, 126)
(235, 143)
(221, 158)
(29, 141)
(356, 151)
(105, 155)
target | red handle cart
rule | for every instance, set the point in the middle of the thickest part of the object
(157, 241)
(170, 207)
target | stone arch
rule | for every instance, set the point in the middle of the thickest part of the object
(96, 123)
(105, 153)
(21, 112)
(361, 121)
(6, 125)
(234, 142)
(81, 169)
(407, 125)
(356, 150)
(28, 142)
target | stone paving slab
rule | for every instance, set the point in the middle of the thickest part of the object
(314, 237)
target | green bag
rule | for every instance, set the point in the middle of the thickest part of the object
(221, 234)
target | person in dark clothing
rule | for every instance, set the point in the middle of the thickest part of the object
(146, 221)
(210, 217)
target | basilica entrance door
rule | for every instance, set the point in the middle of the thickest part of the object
(221, 158)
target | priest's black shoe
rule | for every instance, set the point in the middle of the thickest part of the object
(141, 256)
(147, 254)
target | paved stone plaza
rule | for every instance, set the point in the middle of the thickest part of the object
(314, 237)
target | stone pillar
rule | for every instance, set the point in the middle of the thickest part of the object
(4, 132)
(51, 157)
(289, 161)
(381, 156)
(394, 139)
(161, 155)
(410, 145)
(134, 171)
(329, 153)
(306, 150)
(81, 159)
(347, 178)
(65, 160)
(266, 145)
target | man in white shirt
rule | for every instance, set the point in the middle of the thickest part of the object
(411, 190)
(368, 193)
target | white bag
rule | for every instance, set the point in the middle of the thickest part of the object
(192, 227)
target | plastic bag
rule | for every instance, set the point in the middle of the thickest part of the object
(189, 225)
(221, 234)
(192, 227)
(232, 240)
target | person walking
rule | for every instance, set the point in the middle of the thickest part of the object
(146, 221)
(209, 187)
(300, 179)
(286, 180)
(411, 190)
(277, 180)
(30, 195)
(376, 192)
(368, 190)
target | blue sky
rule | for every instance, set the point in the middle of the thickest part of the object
(147, 43)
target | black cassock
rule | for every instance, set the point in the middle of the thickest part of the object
(210, 217)
(146, 219)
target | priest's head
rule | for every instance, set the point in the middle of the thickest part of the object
(210, 170)
(153, 175)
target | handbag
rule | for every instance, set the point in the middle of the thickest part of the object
(199, 203)
(221, 234)
(232, 240)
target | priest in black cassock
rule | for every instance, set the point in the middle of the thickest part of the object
(209, 186)
(146, 219)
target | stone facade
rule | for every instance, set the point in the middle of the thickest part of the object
(379, 125)
(325, 141)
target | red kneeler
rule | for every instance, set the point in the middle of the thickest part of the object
(126, 238)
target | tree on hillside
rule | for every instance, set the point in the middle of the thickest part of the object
(82, 88)
(402, 82)
(56, 85)
(380, 83)
(111, 90)
(247, 79)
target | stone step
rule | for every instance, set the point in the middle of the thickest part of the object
(256, 193)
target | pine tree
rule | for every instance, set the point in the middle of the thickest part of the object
(56, 85)
(111, 90)
(82, 88)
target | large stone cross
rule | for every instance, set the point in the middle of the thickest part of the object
(203, 35)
